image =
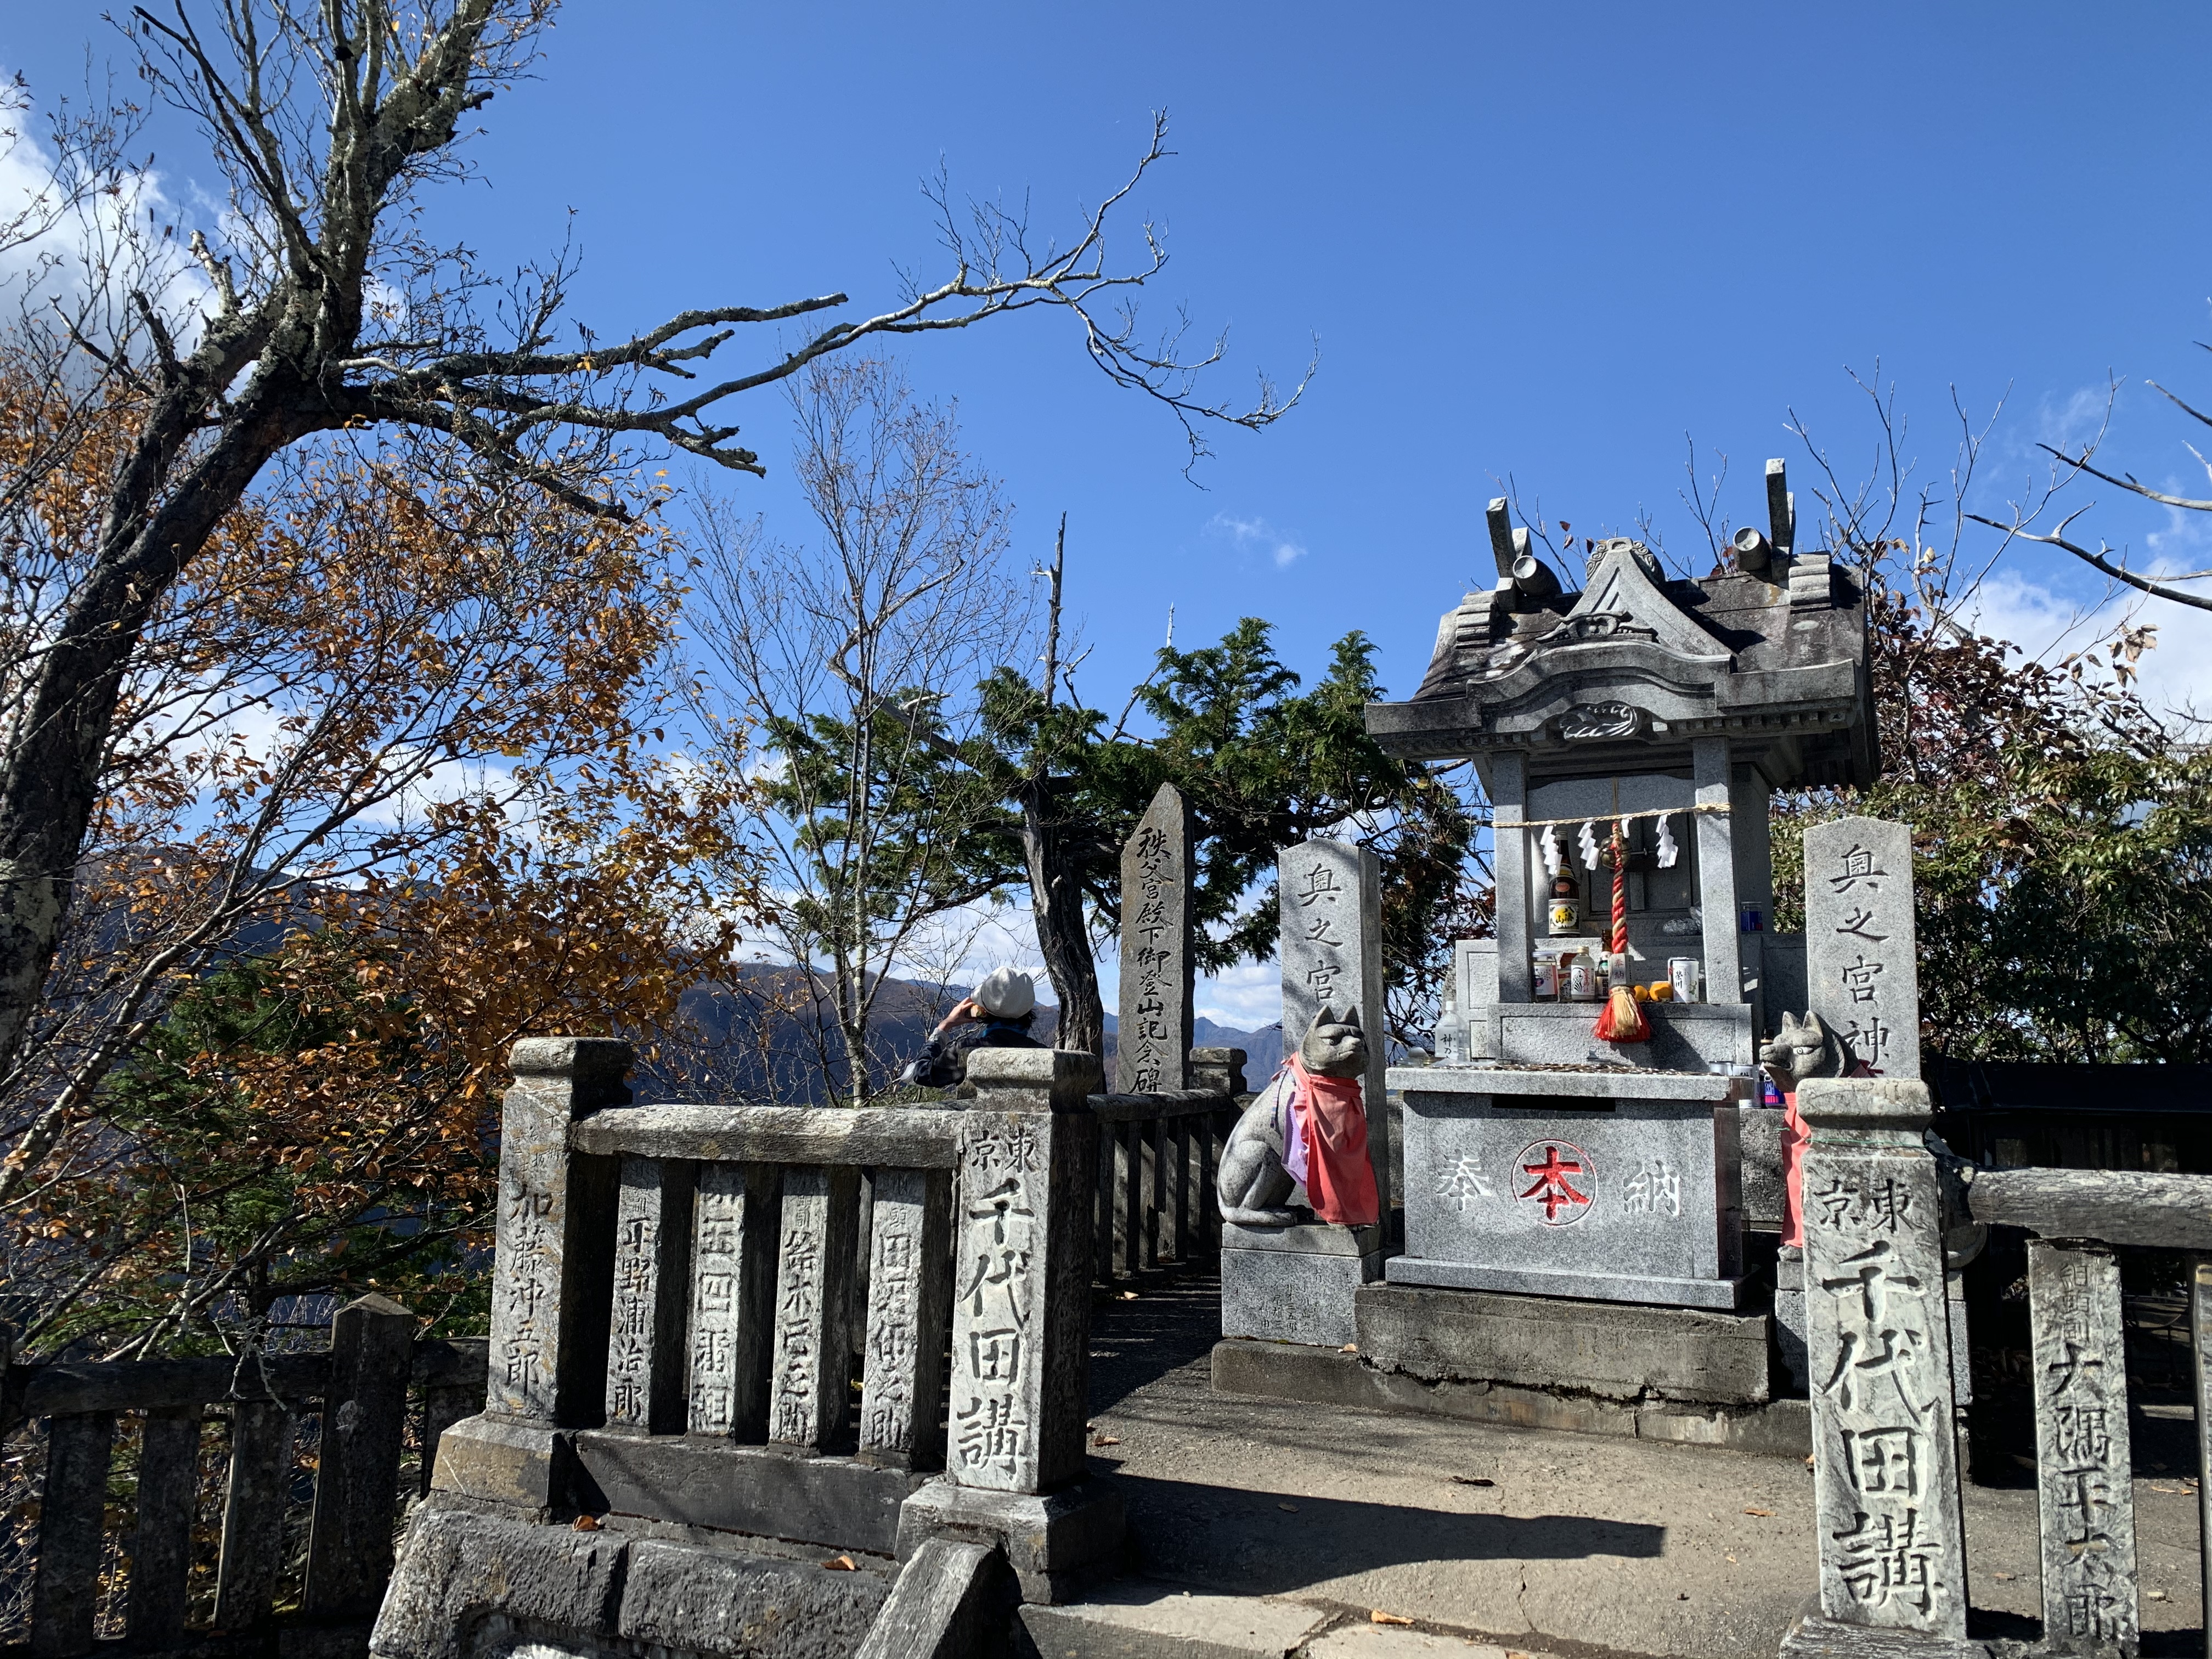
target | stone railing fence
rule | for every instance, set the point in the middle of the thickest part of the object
(362, 1388)
(1157, 1158)
(682, 1294)
(1879, 1210)
(684, 1297)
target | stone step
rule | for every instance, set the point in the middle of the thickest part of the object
(1140, 1618)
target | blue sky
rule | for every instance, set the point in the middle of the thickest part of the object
(1546, 241)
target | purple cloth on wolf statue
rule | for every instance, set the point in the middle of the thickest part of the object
(1294, 1131)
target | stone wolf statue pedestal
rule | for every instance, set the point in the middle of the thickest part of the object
(1285, 1276)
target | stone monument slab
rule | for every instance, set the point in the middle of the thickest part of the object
(809, 1387)
(1863, 975)
(1331, 947)
(2086, 1502)
(1022, 1275)
(552, 1294)
(909, 1302)
(652, 1286)
(1152, 1052)
(733, 1269)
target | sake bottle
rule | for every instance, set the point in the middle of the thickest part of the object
(1451, 1041)
(1580, 973)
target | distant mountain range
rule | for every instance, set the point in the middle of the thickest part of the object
(769, 1035)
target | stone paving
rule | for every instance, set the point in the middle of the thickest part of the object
(1528, 1540)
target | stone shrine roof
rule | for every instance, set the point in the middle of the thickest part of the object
(1623, 674)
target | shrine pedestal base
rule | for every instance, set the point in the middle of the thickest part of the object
(1816, 1636)
(1057, 1543)
(1295, 1283)
(1328, 1377)
(1612, 1350)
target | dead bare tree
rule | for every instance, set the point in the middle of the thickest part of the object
(842, 676)
(327, 117)
(2070, 465)
(1057, 841)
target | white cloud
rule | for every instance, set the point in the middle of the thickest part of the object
(100, 248)
(441, 782)
(2177, 675)
(1258, 537)
(960, 946)
(2069, 422)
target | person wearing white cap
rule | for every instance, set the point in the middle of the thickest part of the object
(997, 1014)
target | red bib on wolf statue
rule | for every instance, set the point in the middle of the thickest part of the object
(1340, 1180)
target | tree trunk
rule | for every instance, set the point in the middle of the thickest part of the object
(51, 781)
(1056, 904)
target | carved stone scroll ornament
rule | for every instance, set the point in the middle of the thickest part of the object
(1582, 627)
(1602, 719)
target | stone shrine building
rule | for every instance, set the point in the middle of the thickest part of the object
(1589, 1236)
(1666, 713)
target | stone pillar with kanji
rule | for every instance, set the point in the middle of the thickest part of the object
(552, 1282)
(1886, 1472)
(1152, 1044)
(1862, 974)
(1331, 945)
(1298, 1284)
(1017, 1470)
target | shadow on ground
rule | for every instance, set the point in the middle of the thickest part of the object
(1173, 1321)
(1272, 1545)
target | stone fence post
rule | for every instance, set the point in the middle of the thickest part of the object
(552, 1280)
(1885, 1470)
(1016, 1472)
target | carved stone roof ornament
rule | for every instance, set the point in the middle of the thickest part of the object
(1773, 657)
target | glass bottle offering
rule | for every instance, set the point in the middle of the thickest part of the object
(1450, 1041)
(1565, 906)
(1546, 972)
(1580, 974)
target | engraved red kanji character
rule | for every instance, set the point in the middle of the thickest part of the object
(1552, 1189)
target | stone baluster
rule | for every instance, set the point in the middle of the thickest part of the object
(1102, 1245)
(810, 1381)
(1130, 1166)
(909, 1302)
(1179, 1190)
(1885, 1474)
(552, 1281)
(65, 1594)
(733, 1261)
(364, 1422)
(161, 1551)
(1023, 1227)
(2087, 1507)
(253, 1558)
(653, 1287)
(1709, 759)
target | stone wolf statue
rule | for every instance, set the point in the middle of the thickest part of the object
(1800, 1049)
(1253, 1186)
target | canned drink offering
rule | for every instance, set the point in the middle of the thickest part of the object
(1547, 976)
(1682, 975)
